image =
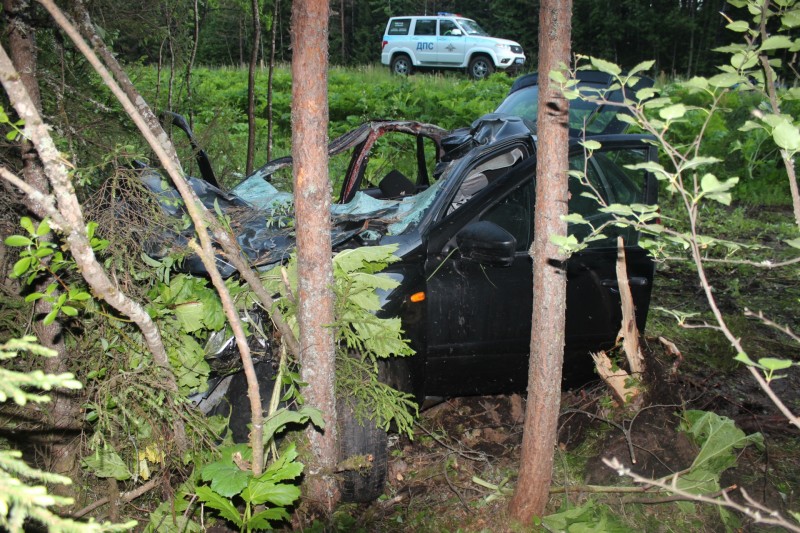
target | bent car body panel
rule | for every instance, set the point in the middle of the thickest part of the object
(472, 329)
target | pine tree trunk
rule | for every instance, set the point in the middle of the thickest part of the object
(549, 274)
(312, 207)
(251, 90)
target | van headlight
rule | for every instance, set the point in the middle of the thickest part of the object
(501, 46)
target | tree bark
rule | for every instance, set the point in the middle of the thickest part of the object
(273, 31)
(312, 208)
(251, 89)
(65, 409)
(68, 216)
(549, 273)
(192, 57)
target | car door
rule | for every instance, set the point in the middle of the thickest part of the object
(593, 305)
(479, 316)
(451, 43)
(424, 41)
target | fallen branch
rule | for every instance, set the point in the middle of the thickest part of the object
(125, 497)
(752, 509)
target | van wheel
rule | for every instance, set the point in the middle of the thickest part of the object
(363, 448)
(480, 67)
(401, 65)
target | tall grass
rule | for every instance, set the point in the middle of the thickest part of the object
(218, 108)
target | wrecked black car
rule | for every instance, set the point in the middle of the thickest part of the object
(461, 214)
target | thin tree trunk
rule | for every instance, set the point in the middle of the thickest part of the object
(251, 89)
(65, 410)
(273, 31)
(549, 273)
(312, 208)
(691, 5)
(769, 88)
(192, 57)
(171, 87)
(341, 21)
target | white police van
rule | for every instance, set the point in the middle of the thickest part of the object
(447, 41)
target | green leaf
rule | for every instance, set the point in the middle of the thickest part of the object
(644, 65)
(567, 244)
(263, 520)
(738, 26)
(717, 190)
(751, 125)
(226, 478)
(646, 93)
(591, 145)
(190, 315)
(787, 136)
(744, 60)
(226, 509)
(697, 83)
(574, 218)
(673, 112)
(27, 225)
(21, 266)
(106, 463)
(605, 66)
(284, 468)
(279, 494)
(370, 259)
(699, 161)
(17, 241)
(79, 295)
(727, 79)
(43, 229)
(69, 310)
(717, 437)
(657, 103)
(772, 364)
(557, 76)
(32, 297)
(744, 358)
(283, 417)
(794, 243)
(776, 42)
(791, 19)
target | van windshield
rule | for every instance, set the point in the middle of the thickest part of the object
(471, 27)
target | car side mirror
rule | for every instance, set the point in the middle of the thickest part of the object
(486, 243)
(455, 33)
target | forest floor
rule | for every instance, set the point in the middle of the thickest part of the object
(460, 468)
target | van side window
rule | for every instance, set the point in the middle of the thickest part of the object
(425, 27)
(399, 26)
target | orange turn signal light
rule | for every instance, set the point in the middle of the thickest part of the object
(417, 297)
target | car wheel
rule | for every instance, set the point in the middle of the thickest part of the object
(480, 67)
(401, 65)
(364, 481)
